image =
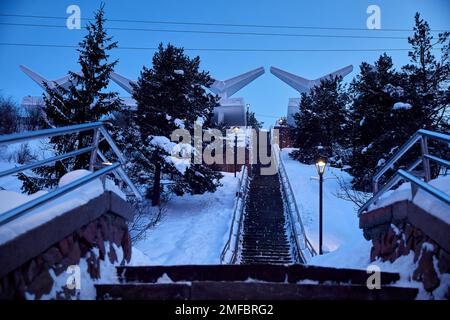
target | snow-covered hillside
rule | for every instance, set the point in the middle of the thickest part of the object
(193, 229)
(340, 217)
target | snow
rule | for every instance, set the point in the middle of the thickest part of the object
(340, 216)
(344, 243)
(48, 211)
(194, 228)
(381, 162)
(401, 106)
(364, 150)
(87, 284)
(179, 123)
(182, 162)
(422, 198)
(180, 72)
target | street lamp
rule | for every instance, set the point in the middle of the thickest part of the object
(320, 166)
(235, 131)
(247, 114)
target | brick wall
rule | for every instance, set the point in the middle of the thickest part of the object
(27, 272)
(402, 228)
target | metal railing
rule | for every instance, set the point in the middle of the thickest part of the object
(99, 131)
(229, 253)
(302, 246)
(421, 136)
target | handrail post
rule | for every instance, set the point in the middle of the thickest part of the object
(374, 185)
(425, 161)
(95, 141)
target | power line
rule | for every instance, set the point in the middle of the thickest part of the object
(215, 32)
(215, 49)
(222, 24)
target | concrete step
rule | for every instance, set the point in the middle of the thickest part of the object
(269, 273)
(211, 290)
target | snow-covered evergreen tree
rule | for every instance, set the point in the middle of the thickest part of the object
(322, 123)
(172, 95)
(376, 127)
(389, 105)
(428, 78)
(85, 100)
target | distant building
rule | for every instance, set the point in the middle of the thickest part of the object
(230, 112)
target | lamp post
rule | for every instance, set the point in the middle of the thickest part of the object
(247, 114)
(235, 131)
(320, 166)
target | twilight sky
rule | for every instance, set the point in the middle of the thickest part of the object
(267, 95)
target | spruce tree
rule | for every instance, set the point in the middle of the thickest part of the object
(376, 126)
(428, 78)
(253, 122)
(389, 106)
(172, 95)
(85, 100)
(322, 122)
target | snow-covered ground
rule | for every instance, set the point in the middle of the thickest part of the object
(194, 229)
(340, 220)
(341, 234)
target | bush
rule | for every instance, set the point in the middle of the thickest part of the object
(24, 154)
(33, 119)
(10, 116)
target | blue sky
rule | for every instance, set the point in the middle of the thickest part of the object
(267, 95)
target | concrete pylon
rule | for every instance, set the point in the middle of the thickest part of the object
(124, 83)
(303, 85)
(226, 88)
(40, 80)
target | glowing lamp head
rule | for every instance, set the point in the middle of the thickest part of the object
(235, 130)
(320, 166)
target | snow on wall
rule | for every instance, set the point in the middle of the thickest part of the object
(422, 198)
(50, 210)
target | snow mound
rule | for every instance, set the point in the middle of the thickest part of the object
(422, 199)
(401, 106)
(52, 209)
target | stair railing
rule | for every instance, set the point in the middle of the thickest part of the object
(302, 246)
(106, 167)
(421, 136)
(229, 253)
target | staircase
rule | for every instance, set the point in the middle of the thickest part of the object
(264, 239)
(248, 282)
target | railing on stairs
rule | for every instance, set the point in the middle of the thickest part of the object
(421, 136)
(302, 246)
(229, 253)
(99, 133)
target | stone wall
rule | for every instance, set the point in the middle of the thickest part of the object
(402, 228)
(92, 241)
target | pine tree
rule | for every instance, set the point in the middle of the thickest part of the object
(321, 123)
(171, 95)
(427, 77)
(253, 122)
(389, 106)
(376, 125)
(428, 82)
(85, 100)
